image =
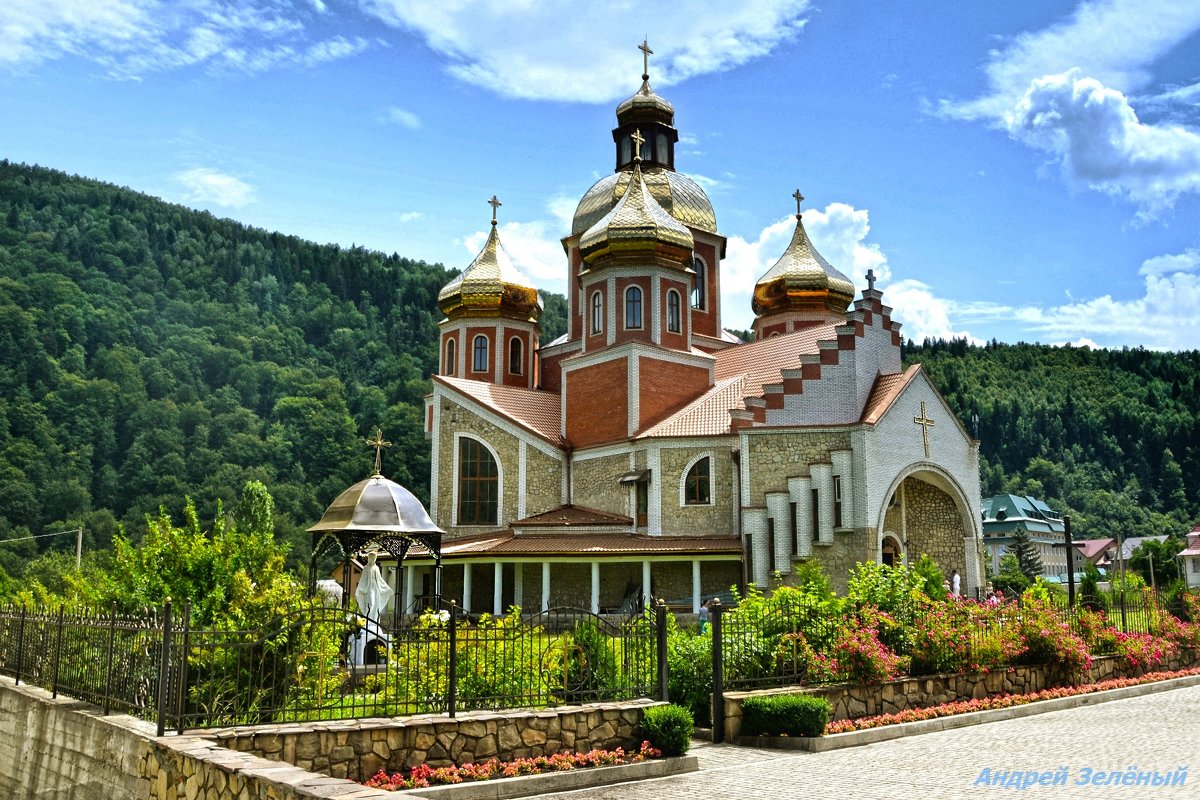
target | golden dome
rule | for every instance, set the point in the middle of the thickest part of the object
(802, 280)
(635, 225)
(677, 194)
(491, 286)
(646, 105)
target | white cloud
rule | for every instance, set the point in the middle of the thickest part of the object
(134, 38)
(534, 248)
(503, 45)
(203, 185)
(1066, 90)
(922, 314)
(402, 117)
(410, 216)
(1187, 261)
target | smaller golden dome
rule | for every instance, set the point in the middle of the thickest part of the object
(637, 225)
(802, 280)
(491, 286)
(646, 105)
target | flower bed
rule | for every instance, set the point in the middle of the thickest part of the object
(999, 701)
(423, 776)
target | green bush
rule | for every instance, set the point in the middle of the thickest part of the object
(784, 715)
(669, 728)
(689, 670)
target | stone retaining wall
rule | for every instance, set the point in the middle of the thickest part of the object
(850, 701)
(66, 750)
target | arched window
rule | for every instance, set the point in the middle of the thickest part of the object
(626, 150)
(451, 351)
(515, 356)
(697, 486)
(597, 312)
(698, 289)
(478, 484)
(673, 324)
(633, 307)
(660, 144)
(479, 357)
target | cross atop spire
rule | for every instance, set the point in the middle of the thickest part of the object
(495, 204)
(638, 140)
(379, 444)
(799, 199)
(646, 53)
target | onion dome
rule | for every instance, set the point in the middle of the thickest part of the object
(678, 194)
(491, 286)
(636, 226)
(802, 280)
(646, 105)
(376, 505)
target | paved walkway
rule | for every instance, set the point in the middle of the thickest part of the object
(1155, 732)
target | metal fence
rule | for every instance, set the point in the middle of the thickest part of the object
(321, 663)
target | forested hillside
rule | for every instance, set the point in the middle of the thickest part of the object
(149, 352)
(1110, 436)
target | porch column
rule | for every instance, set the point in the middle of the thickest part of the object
(647, 600)
(545, 586)
(595, 587)
(519, 585)
(695, 586)
(410, 579)
(498, 590)
(466, 597)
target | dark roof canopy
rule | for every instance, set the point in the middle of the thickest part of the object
(376, 511)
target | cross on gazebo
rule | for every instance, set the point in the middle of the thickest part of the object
(638, 140)
(495, 204)
(799, 199)
(646, 53)
(379, 444)
(926, 423)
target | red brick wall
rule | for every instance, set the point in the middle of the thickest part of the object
(705, 321)
(524, 379)
(597, 403)
(666, 386)
(675, 341)
(469, 344)
(639, 334)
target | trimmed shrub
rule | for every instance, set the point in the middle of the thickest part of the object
(784, 715)
(668, 728)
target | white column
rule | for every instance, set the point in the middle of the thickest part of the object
(695, 586)
(545, 586)
(778, 509)
(971, 572)
(519, 585)
(800, 490)
(822, 478)
(595, 587)
(646, 584)
(410, 578)
(498, 590)
(466, 598)
(841, 468)
(754, 524)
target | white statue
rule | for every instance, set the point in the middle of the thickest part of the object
(372, 595)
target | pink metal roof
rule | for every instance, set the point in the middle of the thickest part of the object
(538, 411)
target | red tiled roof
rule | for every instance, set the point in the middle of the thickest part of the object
(589, 544)
(1090, 548)
(761, 361)
(538, 411)
(708, 415)
(572, 515)
(885, 391)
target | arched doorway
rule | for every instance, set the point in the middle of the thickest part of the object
(890, 552)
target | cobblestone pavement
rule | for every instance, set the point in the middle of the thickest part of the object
(1154, 732)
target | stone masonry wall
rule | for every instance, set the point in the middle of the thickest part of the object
(850, 701)
(64, 749)
(596, 483)
(776, 457)
(934, 527)
(679, 519)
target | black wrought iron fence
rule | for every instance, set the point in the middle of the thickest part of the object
(322, 663)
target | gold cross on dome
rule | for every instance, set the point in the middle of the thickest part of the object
(646, 53)
(638, 140)
(495, 204)
(926, 423)
(378, 443)
(799, 199)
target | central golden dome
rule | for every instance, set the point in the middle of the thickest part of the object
(679, 195)
(636, 224)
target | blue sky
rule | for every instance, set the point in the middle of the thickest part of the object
(1019, 171)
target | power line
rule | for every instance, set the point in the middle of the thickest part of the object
(42, 535)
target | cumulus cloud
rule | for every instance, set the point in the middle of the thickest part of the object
(204, 186)
(1066, 90)
(1187, 261)
(503, 45)
(402, 117)
(534, 249)
(133, 38)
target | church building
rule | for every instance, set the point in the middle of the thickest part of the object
(647, 452)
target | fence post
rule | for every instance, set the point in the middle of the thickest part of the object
(21, 644)
(164, 668)
(108, 658)
(452, 689)
(57, 651)
(716, 612)
(660, 625)
(181, 698)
